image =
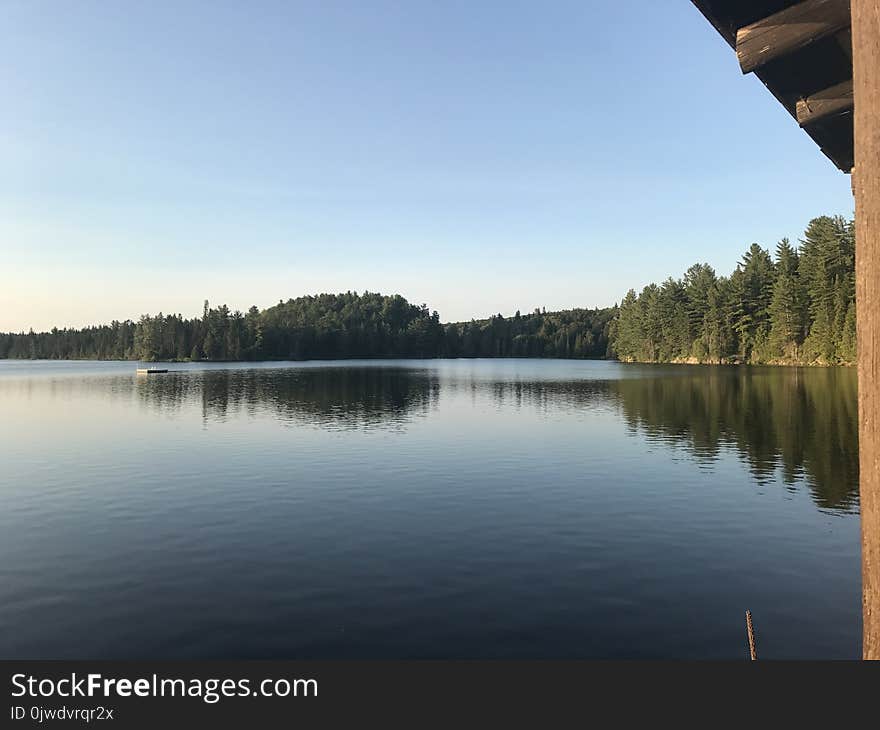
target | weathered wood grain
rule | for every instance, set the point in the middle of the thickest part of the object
(789, 30)
(833, 100)
(866, 184)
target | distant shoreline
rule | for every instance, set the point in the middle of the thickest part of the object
(688, 362)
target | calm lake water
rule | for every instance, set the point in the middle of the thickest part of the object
(445, 508)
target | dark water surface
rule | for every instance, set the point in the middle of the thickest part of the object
(458, 508)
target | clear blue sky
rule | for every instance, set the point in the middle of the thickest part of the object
(477, 156)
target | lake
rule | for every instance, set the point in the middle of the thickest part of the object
(427, 509)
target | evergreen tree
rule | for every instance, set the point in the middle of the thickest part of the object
(798, 308)
(786, 306)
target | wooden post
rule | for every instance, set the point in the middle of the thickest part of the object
(750, 632)
(866, 184)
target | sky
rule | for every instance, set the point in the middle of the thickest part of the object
(476, 156)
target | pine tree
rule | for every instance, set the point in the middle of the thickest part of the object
(699, 281)
(786, 306)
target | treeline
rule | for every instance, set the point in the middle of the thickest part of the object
(797, 306)
(322, 326)
(572, 333)
(325, 326)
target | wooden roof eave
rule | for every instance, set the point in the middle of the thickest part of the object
(802, 52)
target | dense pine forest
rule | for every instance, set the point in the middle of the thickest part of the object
(324, 326)
(796, 306)
(575, 333)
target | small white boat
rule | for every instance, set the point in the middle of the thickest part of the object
(151, 371)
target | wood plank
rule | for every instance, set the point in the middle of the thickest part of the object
(866, 183)
(789, 30)
(833, 100)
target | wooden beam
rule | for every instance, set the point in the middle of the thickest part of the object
(866, 184)
(833, 100)
(789, 30)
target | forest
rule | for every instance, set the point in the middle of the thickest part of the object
(796, 307)
(325, 326)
